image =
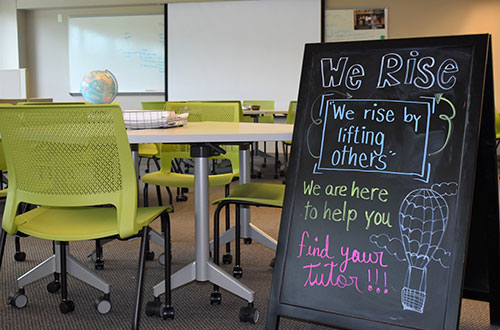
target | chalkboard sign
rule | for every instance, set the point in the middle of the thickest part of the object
(379, 193)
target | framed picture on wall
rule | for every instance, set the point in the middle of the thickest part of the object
(354, 24)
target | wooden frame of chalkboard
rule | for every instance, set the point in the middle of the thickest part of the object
(380, 189)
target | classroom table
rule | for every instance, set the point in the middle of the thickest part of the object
(203, 136)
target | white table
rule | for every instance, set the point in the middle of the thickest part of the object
(198, 134)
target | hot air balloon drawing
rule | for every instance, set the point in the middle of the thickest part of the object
(423, 217)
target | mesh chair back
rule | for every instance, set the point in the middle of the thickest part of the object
(292, 109)
(69, 156)
(153, 105)
(3, 163)
(264, 105)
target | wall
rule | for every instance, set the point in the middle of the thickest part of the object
(444, 17)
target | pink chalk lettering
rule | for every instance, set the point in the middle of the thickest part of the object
(314, 251)
(357, 257)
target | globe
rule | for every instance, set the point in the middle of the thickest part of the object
(99, 87)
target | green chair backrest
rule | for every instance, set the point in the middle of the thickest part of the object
(497, 123)
(203, 111)
(264, 105)
(292, 108)
(214, 111)
(237, 102)
(52, 103)
(153, 105)
(3, 162)
(68, 156)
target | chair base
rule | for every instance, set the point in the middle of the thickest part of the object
(73, 267)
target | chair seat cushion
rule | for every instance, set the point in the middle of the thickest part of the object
(3, 193)
(160, 178)
(261, 194)
(77, 223)
(148, 150)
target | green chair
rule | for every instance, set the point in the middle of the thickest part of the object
(18, 254)
(198, 111)
(290, 119)
(75, 163)
(52, 103)
(248, 194)
(153, 105)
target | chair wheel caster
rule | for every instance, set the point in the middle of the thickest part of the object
(66, 306)
(99, 264)
(237, 272)
(181, 198)
(227, 259)
(103, 305)
(17, 299)
(53, 287)
(184, 190)
(161, 259)
(19, 256)
(249, 314)
(247, 241)
(93, 256)
(150, 255)
(273, 261)
(215, 298)
(157, 308)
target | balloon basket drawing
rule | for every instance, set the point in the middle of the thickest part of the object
(413, 293)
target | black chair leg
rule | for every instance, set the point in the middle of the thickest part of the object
(227, 258)
(66, 305)
(237, 271)
(98, 263)
(145, 195)
(215, 297)
(3, 239)
(167, 250)
(18, 255)
(140, 278)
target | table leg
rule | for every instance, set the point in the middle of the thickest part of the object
(202, 269)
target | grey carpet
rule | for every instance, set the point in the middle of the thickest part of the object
(191, 302)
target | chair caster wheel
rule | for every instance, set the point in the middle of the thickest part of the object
(157, 308)
(153, 308)
(273, 261)
(93, 256)
(53, 287)
(215, 298)
(168, 313)
(161, 259)
(184, 190)
(181, 198)
(99, 264)
(103, 305)
(150, 255)
(19, 256)
(66, 306)
(237, 272)
(227, 259)
(247, 241)
(17, 299)
(249, 314)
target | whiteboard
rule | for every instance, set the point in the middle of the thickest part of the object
(130, 47)
(344, 24)
(239, 50)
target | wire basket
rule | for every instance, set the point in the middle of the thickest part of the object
(144, 119)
